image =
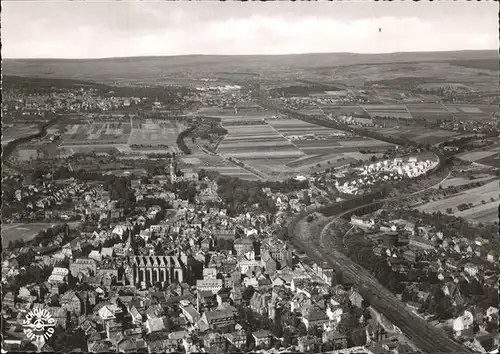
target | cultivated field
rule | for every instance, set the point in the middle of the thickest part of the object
(394, 111)
(429, 111)
(256, 142)
(198, 160)
(316, 140)
(298, 128)
(476, 196)
(12, 232)
(27, 154)
(481, 213)
(341, 145)
(17, 131)
(488, 156)
(344, 110)
(96, 134)
(460, 181)
(321, 162)
(148, 134)
(275, 169)
(235, 171)
(420, 135)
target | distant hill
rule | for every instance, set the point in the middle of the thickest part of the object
(151, 69)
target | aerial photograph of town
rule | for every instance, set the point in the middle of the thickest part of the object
(250, 177)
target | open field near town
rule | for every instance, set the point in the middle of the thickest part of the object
(147, 134)
(481, 213)
(12, 232)
(492, 160)
(274, 168)
(296, 127)
(96, 133)
(460, 181)
(27, 154)
(420, 135)
(321, 162)
(235, 171)
(316, 140)
(341, 145)
(476, 196)
(429, 111)
(488, 156)
(311, 111)
(256, 142)
(198, 160)
(344, 110)
(425, 110)
(395, 111)
(10, 133)
(97, 149)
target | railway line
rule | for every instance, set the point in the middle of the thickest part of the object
(426, 337)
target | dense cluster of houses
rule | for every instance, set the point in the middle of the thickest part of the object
(384, 171)
(181, 283)
(457, 263)
(49, 200)
(67, 100)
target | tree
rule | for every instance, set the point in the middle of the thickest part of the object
(277, 330)
(307, 199)
(287, 338)
(248, 293)
(302, 330)
(358, 337)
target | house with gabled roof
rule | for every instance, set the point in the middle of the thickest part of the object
(132, 345)
(262, 338)
(136, 316)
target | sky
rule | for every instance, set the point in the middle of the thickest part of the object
(91, 29)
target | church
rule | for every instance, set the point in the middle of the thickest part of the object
(146, 271)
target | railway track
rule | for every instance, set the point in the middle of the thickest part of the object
(426, 337)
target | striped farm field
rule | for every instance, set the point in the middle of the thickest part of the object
(426, 108)
(472, 109)
(338, 110)
(314, 147)
(363, 143)
(476, 196)
(96, 133)
(267, 168)
(475, 156)
(266, 153)
(320, 162)
(257, 142)
(235, 172)
(460, 181)
(252, 138)
(155, 133)
(482, 213)
(397, 111)
(276, 146)
(421, 135)
(296, 127)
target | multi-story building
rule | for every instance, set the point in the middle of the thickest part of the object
(243, 245)
(213, 285)
(82, 265)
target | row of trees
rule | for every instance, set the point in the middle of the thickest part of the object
(180, 140)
